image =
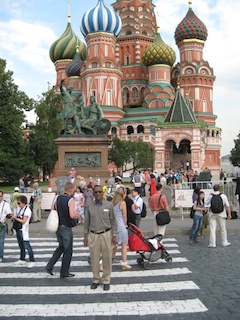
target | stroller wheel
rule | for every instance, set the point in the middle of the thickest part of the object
(168, 259)
(146, 265)
(140, 261)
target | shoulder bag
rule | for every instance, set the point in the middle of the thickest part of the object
(52, 222)
(16, 224)
(163, 216)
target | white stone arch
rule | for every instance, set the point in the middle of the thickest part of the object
(192, 68)
(204, 70)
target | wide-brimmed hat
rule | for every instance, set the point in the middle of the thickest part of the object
(16, 189)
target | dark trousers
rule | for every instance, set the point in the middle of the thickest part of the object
(65, 240)
(2, 239)
(24, 245)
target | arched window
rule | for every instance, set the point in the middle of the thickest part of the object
(134, 93)
(128, 32)
(142, 92)
(94, 65)
(140, 129)
(125, 95)
(130, 130)
(114, 131)
(127, 59)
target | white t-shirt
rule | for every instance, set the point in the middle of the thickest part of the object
(139, 203)
(25, 226)
(163, 181)
(4, 210)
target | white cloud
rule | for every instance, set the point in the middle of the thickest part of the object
(13, 7)
(27, 42)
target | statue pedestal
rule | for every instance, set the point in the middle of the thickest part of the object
(87, 154)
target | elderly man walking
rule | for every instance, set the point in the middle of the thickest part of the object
(219, 211)
(100, 228)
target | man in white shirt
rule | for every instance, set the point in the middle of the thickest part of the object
(219, 218)
(163, 180)
(137, 205)
(4, 211)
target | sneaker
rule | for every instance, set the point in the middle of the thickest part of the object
(31, 265)
(227, 244)
(210, 246)
(126, 267)
(20, 263)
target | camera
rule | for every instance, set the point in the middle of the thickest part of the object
(9, 216)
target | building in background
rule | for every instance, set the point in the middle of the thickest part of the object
(133, 75)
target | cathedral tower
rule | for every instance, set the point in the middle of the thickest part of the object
(138, 32)
(101, 74)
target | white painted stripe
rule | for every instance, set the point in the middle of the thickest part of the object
(74, 240)
(82, 254)
(55, 244)
(119, 288)
(103, 309)
(85, 263)
(84, 275)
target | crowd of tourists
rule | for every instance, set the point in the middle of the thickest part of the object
(106, 219)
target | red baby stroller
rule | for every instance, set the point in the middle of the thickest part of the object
(147, 250)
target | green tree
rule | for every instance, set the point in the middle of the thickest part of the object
(235, 152)
(135, 152)
(13, 149)
(47, 128)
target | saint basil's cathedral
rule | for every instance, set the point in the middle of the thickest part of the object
(141, 89)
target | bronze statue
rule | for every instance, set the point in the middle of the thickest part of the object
(69, 111)
(84, 120)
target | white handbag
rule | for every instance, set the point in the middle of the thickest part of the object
(52, 222)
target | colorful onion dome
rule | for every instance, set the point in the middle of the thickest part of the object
(191, 27)
(65, 46)
(73, 68)
(158, 53)
(101, 18)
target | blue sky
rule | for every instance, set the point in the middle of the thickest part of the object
(28, 28)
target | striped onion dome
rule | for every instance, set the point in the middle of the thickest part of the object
(101, 18)
(65, 46)
(191, 27)
(73, 68)
(158, 53)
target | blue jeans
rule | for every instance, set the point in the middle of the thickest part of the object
(2, 239)
(65, 247)
(24, 245)
(197, 220)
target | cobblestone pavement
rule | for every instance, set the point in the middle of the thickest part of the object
(200, 283)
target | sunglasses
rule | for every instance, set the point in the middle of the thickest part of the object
(18, 202)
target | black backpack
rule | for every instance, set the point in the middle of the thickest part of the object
(144, 210)
(217, 203)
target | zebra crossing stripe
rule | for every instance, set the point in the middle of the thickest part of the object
(140, 308)
(85, 263)
(119, 288)
(75, 255)
(75, 245)
(13, 238)
(87, 275)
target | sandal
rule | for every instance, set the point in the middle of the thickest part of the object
(126, 267)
